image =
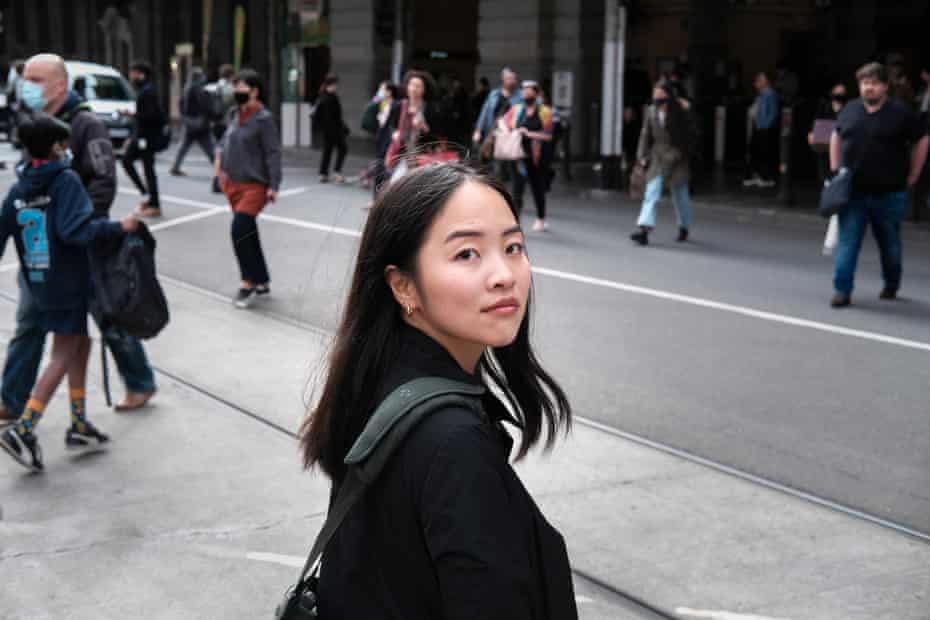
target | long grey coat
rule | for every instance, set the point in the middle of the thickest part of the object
(656, 145)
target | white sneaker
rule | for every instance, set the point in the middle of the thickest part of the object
(766, 183)
(540, 226)
(752, 181)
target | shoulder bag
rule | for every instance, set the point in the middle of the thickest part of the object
(388, 426)
(837, 192)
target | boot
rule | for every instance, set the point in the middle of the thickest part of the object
(641, 236)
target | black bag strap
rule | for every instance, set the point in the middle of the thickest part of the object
(106, 369)
(391, 422)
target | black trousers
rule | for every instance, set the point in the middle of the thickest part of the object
(147, 155)
(330, 143)
(538, 180)
(204, 139)
(379, 178)
(248, 248)
(764, 152)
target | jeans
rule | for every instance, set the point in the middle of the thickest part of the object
(203, 138)
(884, 212)
(330, 143)
(147, 155)
(536, 175)
(681, 199)
(24, 353)
(248, 248)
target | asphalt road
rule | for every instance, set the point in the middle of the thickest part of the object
(724, 346)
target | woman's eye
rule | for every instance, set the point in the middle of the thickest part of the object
(468, 254)
(515, 248)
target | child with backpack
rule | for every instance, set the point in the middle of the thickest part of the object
(51, 220)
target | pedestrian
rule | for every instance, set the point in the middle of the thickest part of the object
(46, 89)
(222, 100)
(921, 197)
(533, 119)
(817, 137)
(51, 220)
(388, 109)
(664, 150)
(883, 143)
(441, 289)
(495, 106)
(146, 138)
(195, 114)
(923, 98)
(479, 97)
(899, 85)
(456, 115)
(327, 120)
(412, 124)
(763, 148)
(248, 164)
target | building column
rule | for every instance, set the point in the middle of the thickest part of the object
(353, 53)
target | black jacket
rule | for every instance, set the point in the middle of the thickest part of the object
(448, 532)
(93, 153)
(327, 117)
(150, 119)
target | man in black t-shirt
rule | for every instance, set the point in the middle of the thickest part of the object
(884, 144)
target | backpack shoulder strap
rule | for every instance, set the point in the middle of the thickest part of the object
(68, 116)
(388, 426)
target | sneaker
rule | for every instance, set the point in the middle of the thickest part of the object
(888, 293)
(540, 226)
(25, 450)
(338, 178)
(682, 235)
(752, 181)
(244, 297)
(766, 183)
(89, 439)
(177, 172)
(641, 236)
(840, 301)
(324, 178)
(262, 291)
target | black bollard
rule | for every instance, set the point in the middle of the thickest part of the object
(785, 187)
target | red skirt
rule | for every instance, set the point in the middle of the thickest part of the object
(248, 198)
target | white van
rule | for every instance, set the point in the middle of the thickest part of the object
(108, 93)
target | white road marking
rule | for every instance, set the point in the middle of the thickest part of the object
(199, 204)
(188, 218)
(610, 284)
(721, 615)
(274, 558)
(292, 192)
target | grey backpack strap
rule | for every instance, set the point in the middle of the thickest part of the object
(388, 426)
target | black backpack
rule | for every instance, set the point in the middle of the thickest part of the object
(126, 293)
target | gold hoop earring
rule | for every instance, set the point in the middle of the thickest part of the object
(409, 310)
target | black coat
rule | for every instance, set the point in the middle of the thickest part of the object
(327, 117)
(150, 118)
(448, 532)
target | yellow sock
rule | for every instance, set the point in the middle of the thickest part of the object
(78, 398)
(30, 418)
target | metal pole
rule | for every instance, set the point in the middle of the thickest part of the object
(612, 92)
(397, 58)
(785, 189)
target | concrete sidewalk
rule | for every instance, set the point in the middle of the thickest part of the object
(200, 511)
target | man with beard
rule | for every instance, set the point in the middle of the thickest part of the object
(884, 145)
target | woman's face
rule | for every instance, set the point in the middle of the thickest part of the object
(415, 88)
(473, 276)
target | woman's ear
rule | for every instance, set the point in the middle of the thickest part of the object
(402, 287)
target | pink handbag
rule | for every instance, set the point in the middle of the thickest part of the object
(508, 143)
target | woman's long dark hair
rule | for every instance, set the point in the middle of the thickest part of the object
(676, 117)
(367, 342)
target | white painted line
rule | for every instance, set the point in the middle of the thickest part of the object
(188, 218)
(292, 192)
(9, 267)
(274, 558)
(347, 232)
(199, 204)
(721, 615)
(750, 312)
(619, 286)
(583, 600)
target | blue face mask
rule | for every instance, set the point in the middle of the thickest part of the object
(67, 158)
(33, 96)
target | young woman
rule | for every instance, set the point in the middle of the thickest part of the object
(665, 149)
(442, 287)
(534, 120)
(414, 123)
(328, 119)
(248, 164)
(388, 108)
(51, 220)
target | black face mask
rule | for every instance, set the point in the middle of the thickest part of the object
(660, 101)
(529, 100)
(241, 97)
(138, 82)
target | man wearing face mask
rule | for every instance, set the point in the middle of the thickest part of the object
(45, 88)
(150, 122)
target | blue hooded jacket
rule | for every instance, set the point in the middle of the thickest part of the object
(51, 220)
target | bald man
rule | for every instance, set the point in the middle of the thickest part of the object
(45, 88)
